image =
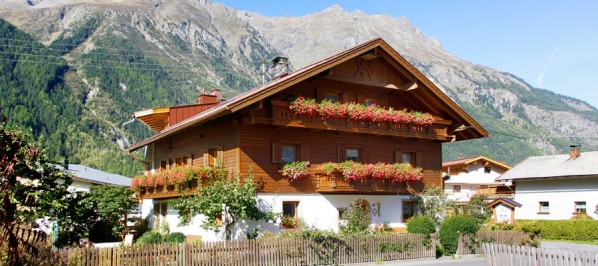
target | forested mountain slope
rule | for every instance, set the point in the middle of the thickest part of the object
(84, 67)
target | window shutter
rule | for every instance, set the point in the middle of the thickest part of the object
(366, 157)
(418, 159)
(342, 153)
(398, 157)
(220, 155)
(276, 152)
(304, 150)
(383, 101)
(321, 94)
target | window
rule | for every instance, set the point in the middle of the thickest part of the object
(487, 169)
(162, 166)
(408, 210)
(369, 102)
(456, 188)
(580, 207)
(333, 97)
(289, 153)
(160, 209)
(341, 212)
(408, 157)
(353, 155)
(289, 208)
(544, 207)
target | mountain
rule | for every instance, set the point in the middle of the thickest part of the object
(121, 56)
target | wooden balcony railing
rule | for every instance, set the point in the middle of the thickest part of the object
(497, 192)
(169, 191)
(335, 182)
(282, 116)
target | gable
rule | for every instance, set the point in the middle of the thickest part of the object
(386, 71)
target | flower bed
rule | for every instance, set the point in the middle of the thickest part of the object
(397, 172)
(174, 177)
(295, 170)
(355, 111)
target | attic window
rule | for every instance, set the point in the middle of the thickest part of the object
(487, 169)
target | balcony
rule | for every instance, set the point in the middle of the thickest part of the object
(336, 183)
(497, 192)
(282, 116)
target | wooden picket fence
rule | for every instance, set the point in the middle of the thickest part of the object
(497, 255)
(276, 251)
(473, 244)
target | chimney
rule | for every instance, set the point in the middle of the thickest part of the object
(212, 97)
(575, 152)
(280, 66)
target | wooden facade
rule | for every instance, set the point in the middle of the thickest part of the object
(250, 130)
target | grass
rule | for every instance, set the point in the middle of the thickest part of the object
(594, 242)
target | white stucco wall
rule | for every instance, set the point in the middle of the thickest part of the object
(78, 185)
(315, 210)
(470, 181)
(561, 195)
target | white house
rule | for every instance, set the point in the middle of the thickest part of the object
(556, 187)
(85, 177)
(466, 177)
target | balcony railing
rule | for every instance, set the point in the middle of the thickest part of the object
(335, 182)
(169, 191)
(282, 116)
(497, 192)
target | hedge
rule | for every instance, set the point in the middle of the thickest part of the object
(584, 230)
(450, 229)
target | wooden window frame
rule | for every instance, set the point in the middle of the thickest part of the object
(295, 207)
(333, 94)
(540, 207)
(160, 214)
(301, 151)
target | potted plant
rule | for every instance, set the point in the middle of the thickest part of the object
(295, 170)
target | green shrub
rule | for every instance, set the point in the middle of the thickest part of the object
(151, 237)
(581, 216)
(421, 225)
(581, 230)
(452, 227)
(175, 238)
(358, 219)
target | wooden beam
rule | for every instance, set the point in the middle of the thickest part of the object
(364, 82)
(409, 86)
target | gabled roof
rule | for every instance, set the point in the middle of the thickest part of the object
(509, 202)
(280, 83)
(95, 176)
(554, 166)
(470, 160)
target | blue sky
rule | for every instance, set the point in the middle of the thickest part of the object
(550, 44)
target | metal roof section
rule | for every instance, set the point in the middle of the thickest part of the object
(554, 166)
(95, 176)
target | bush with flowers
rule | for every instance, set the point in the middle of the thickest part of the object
(295, 170)
(355, 111)
(289, 222)
(177, 176)
(397, 172)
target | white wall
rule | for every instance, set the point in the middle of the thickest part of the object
(78, 185)
(470, 181)
(315, 210)
(561, 195)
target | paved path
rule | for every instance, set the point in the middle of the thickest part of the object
(570, 246)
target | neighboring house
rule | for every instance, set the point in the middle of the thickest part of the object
(466, 177)
(503, 210)
(85, 177)
(556, 187)
(257, 129)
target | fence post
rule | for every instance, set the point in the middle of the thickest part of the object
(460, 245)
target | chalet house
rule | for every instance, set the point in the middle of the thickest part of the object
(278, 123)
(466, 177)
(556, 187)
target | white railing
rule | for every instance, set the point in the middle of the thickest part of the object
(497, 255)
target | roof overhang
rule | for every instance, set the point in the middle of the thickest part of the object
(156, 118)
